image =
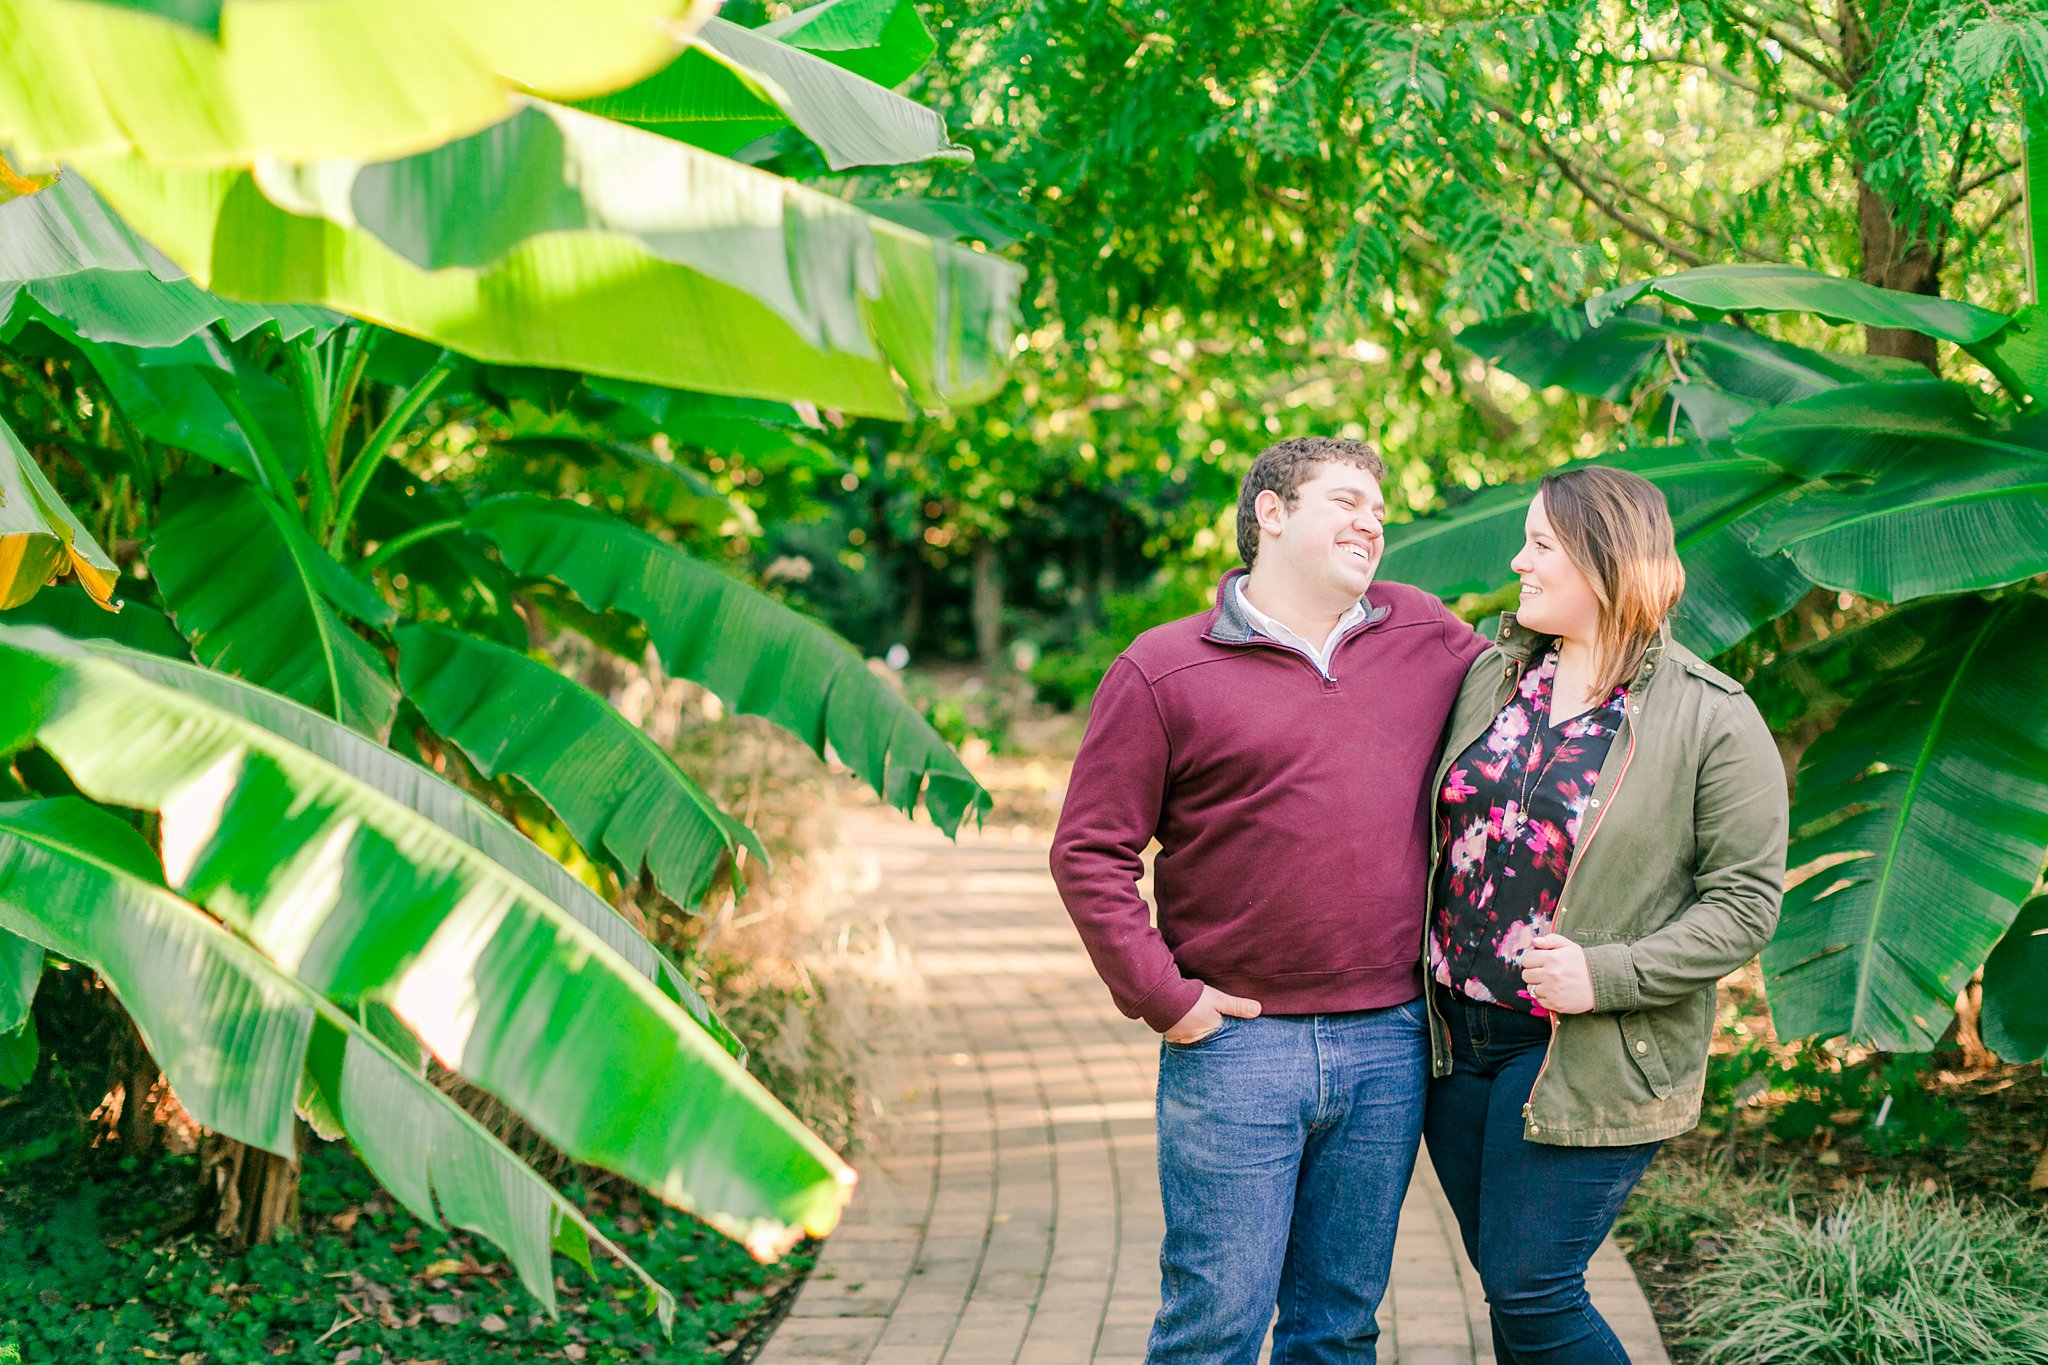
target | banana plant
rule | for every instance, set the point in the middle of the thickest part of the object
(1921, 820)
(252, 763)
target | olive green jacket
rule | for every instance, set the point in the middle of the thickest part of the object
(1674, 882)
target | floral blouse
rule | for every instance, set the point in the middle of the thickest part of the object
(1507, 819)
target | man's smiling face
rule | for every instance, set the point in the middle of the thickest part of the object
(1330, 541)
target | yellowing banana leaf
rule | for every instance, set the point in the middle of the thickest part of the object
(256, 596)
(608, 250)
(71, 610)
(39, 538)
(619, 793)
(758, 656)
(735, 85)
(308, 79)
(234, 1034)
(360, 900)
(65, 255)
(884, 40)
(429, 794)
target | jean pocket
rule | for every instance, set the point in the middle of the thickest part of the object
(1205, 1039)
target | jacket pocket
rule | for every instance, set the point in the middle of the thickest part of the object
(1641, 1045)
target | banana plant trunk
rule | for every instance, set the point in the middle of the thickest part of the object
(254, 1193)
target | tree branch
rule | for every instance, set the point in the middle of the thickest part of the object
(1769, 30)
(1677, 250)
(2006, 166)
(1727, 77)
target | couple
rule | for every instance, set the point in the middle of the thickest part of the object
(1384, 914)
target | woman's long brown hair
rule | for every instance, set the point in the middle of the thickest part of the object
(1616, 530)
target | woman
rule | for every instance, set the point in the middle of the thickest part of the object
(1610, 842)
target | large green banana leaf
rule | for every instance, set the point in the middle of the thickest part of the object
(21, 966)
(758, 656)
(1717, 290)
(198, 396)
(734, 86)
(39, 537)
(1921, 824)
(234, 1035)
(617, 791)
(1822, 676)
(65, 255)
(429, 794)
(20, 1049)
(1712, 490)
(1918, 533)
(1869, 429)
(1559, 349)
(609, 250)
(1608, 359)
(363, 900)
(309, 79)
(1954, 501)
(883, 40)
(2015, 1018)
(256, 596)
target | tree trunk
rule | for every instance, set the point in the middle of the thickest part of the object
(1894, 258)
(986, 605)
(1894, 255)
(254, 1192)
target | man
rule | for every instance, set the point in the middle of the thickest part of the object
(1277, 747)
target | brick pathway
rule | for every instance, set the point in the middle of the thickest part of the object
(1010, 1212)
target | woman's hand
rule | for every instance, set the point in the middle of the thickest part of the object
(1554, 969)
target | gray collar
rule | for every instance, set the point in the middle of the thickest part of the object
(1233, 627)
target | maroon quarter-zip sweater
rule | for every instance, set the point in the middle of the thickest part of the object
(1289, 808)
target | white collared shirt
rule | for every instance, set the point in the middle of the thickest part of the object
(1282, 635)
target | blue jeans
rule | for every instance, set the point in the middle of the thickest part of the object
(1285, 1145)
(1531, 1214)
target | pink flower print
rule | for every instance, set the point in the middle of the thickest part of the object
(1494, 770)
(1456, 787)
(1571, 826)
(1509, 820)
(1477, 990)
(1469, 848)
(1508, 731)
(1510, 946)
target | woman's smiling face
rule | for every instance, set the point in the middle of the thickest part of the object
(1556, 598)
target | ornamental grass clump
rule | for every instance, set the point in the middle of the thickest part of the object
(1887, 1278)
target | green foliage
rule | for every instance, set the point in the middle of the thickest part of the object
(1678, 1203)
(91, 1262)
(1067, 677)
(1884, 1278)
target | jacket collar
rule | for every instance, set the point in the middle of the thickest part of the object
(1522, 644)
(1230, 626)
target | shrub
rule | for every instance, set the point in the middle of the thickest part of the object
(1887, 1278)
(1680, 1202)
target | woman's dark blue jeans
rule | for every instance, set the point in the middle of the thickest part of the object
(1531, 1214)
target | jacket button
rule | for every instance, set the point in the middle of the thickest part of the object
(1642, 1045)
(1594, 803)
